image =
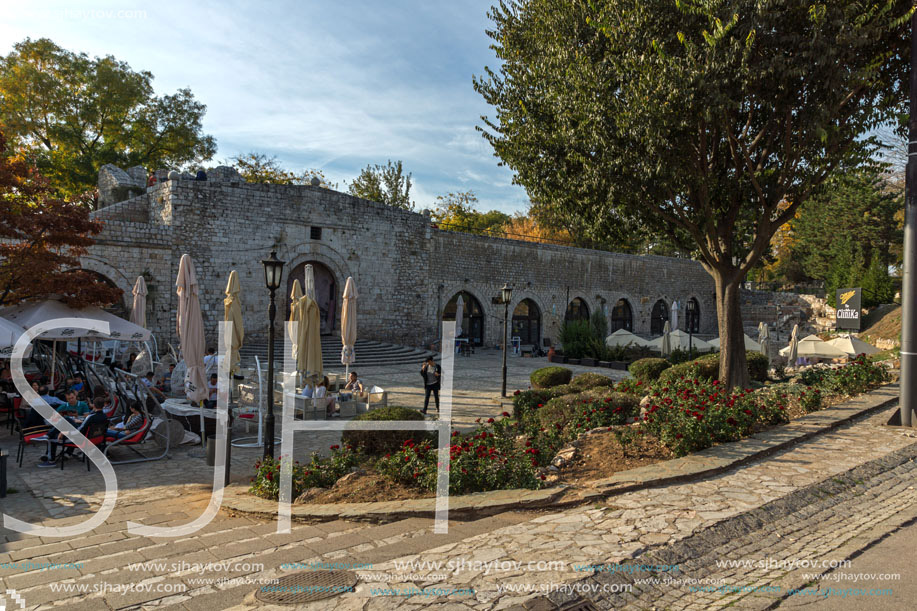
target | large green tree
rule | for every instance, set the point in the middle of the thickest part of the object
(259, 168)
(707, 121)
(73, 113)
(386, 184)
(458, 211)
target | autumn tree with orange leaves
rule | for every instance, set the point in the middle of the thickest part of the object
(42, 239)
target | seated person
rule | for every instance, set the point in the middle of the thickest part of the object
(147, 381)
(96, 417)
(321, 394)
(76, 384)
(212, 391)
(6, 380)
(165, 385)
(128, 424)
(307, 391)
(353, 387)
(73, 407)
(210, 360)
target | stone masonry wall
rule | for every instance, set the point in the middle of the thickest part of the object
(405, 270)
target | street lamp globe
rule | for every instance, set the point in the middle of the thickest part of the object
(273, 271)
(507, 292)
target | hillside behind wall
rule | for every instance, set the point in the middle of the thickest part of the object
(780, 311)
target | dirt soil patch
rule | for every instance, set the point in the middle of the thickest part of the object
(367, 488)
(886, 327)
(600, 456)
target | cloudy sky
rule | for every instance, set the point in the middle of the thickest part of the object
(326, 84)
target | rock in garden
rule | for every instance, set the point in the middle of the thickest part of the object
(308, 494)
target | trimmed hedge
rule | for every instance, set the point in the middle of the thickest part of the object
(705, 367)
(758, 365)
(581, 412)
(546, 377)
(528, 400)
(382, 442)
(648, 370)
(590, 380)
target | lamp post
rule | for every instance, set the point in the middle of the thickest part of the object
(273, 271)
(506, 293)
(909, 281)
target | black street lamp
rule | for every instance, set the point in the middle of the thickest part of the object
(506, 293)
(273, 272)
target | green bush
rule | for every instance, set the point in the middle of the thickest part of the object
(576, 337)
(380, 442)
(590, 380)
(573, 414)
(706, 367)
(802, 398)
(680, 356)
(757, 366)
(649, 369)
(546, 377)
(524, 401)
(317, 473)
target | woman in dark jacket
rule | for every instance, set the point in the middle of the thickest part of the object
(431, 373)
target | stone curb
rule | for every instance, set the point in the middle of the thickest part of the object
(711, 461)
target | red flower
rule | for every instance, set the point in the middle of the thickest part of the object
(335, 447)
(505, 414)
(543, 477)
(388, 455)
(679, 436)
(539, 405)
(517, 392)
(731, 421)
(490, 421)
(748, 412)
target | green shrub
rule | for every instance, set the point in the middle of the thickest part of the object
(546, 377)
(706, 367)
(649, 369)
(590, 380)
(757, 366)
(632, 386)
(573, 414)
(380, 442)
(794, 396)
(680, 356)
(317, 473)
(524, 401)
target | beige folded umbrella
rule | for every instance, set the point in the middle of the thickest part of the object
(295, 296)
(138, 311)
(309, 282)
(190, 325)
(232, 312)
(791, 352)
(309, 340)
(349, 325)
(665, 342)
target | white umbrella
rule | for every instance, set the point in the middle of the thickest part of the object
(190, 324)
(622, 337)
(680, 340)
(792, 351)
(853, 345)
(750, 344)
(10, 333)
(349, 325)
(665, 342)
(27, 315)
(813, 347)
(675, 315)
(459, 315)
(309, 282)
(138, 311)
(118, 328)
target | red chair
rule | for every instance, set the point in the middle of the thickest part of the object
(28, 436)
(96, 435)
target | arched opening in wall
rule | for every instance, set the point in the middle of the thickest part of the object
(325, 292)
(527, 322)
(118, 308)
(622, 316)
(577, 310)
(692, 316)
(472, 316)
(659, 315)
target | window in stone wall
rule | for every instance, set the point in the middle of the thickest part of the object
(315, 233)
(658, 317)
(527, 322)
(577, 310)
(622, 316)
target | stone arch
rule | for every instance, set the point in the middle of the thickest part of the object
(659, 314)
(473, 315)
(526, 321)
(578, 308)
(623, 315)
(310, 252)
(114, 275)
(326, 285)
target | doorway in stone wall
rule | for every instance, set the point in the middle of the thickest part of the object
(325, 292)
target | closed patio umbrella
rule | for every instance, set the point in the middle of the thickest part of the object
(792, 351)
(295, 296)
(190, 326)
(349, 325)
(309, 281)
(138, 311)
(674, 315)
(665, 342)
(764, 338)
(309, 341)
(459, 315)
(232, 312)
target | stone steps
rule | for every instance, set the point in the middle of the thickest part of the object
(369, 353)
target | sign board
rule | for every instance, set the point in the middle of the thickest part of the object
(848, 309)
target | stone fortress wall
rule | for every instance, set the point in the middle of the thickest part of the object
(405, 269)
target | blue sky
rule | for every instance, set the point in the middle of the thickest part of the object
(330, 85)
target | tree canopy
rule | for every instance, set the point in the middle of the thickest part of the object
(72, 114)
(457, 212)
(709, 122)
(41, 240)
(386, 184)
(259, 168)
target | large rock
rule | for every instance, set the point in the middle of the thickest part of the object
(116, 185)
(224, 173)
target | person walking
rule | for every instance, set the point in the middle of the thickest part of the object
(431, 373)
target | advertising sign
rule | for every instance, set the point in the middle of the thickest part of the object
(848, 309)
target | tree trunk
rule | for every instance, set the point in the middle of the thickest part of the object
(733, 364)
